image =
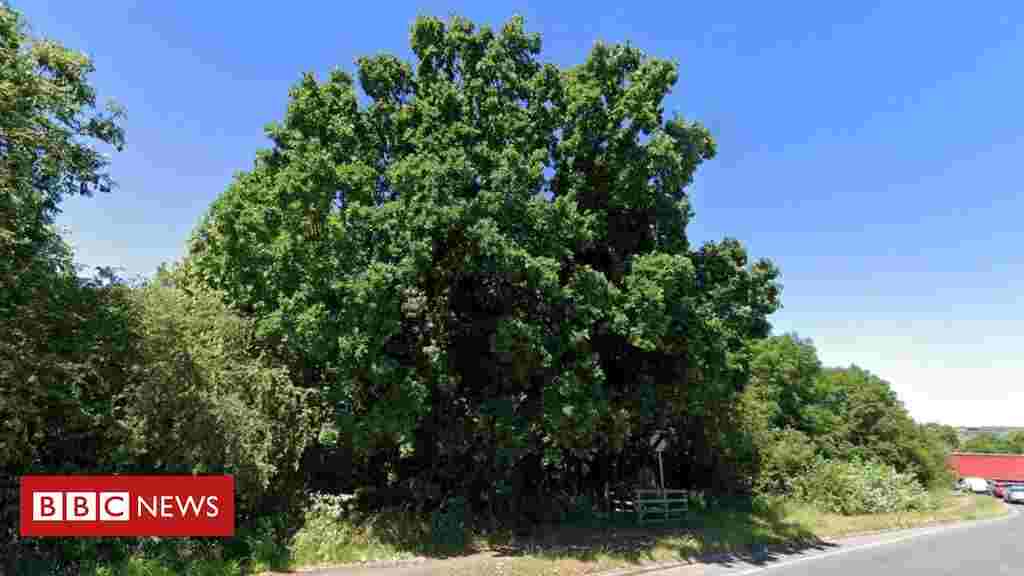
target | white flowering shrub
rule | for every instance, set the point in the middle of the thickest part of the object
(860, 487)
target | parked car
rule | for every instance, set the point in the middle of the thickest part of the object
(1014, 493)
(999, 489)
(976, 485)
(1008, 485)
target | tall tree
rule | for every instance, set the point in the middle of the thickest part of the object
(58, 336)
(486, 267)
(794, 407)
(50, 133)
(49, 130)
(784, 373)
(872, 423)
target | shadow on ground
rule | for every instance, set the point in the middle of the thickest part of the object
(722, 536)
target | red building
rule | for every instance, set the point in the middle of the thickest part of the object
(1006, 467)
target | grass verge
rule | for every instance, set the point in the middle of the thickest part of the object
(952, 509)
(723, 533)
(717, 535)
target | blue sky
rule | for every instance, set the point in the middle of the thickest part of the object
(873, 151)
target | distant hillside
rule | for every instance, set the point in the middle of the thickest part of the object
(968, 432)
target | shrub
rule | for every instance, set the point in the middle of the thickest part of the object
(785, 455)
(334, 533)
(204, 401)
(859, 487)
(163, 557)
(267, 551)
(150, 379)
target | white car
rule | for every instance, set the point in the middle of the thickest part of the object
(975, 484)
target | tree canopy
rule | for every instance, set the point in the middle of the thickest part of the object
(460, 281)
(482, 258)
(58, 337)
(49, 131)
(49, 134)
(795, 409)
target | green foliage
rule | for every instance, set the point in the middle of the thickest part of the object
(1015, 440)
(794, 409)
(49, 133)
(947, 435)
(860, 487)
(148, 379)
(131, 557)
(784, 372)
(63, 341)
(474, 280)
(266, 550)
(873, 424)
(785, 455)
(202, 403)
(698, 502)
(335, 533)
(64, 359)
(484, 267)
(1012, 443)
(167, 558)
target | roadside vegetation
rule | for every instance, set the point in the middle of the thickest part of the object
(448, 317)
(1012, 443)
(947, 508)
(728, 530)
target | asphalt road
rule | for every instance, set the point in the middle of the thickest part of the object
(989, 547)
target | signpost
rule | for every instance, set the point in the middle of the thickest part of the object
(659, 443)
(660, 504)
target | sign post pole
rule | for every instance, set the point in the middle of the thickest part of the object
(661, 470)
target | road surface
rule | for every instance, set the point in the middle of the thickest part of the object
(989, 547)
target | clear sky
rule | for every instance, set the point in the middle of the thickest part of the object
(872, 151)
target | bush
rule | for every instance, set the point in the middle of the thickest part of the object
(160, 557)
(205, 402)
(151, 379)
(785, 455)
(334, 533)
(860, 487)
(267, 551)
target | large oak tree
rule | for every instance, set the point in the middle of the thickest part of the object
(482, 260)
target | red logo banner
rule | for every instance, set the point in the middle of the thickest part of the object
(127, 506)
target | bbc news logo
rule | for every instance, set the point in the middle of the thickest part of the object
(127, 506)
(116, 506)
